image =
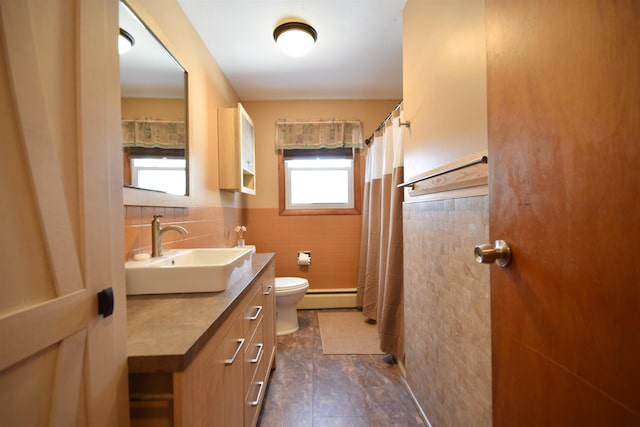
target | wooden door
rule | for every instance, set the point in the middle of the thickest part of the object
(61, 364)
(564, 156)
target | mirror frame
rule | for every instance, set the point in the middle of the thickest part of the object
(133, 196)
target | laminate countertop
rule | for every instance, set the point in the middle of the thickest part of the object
(165, 332)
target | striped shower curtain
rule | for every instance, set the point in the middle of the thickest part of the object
(380, 292)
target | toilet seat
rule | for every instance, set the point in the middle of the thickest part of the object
(289, 284)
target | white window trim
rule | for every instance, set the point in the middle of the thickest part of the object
(137, 169)
(320, 206)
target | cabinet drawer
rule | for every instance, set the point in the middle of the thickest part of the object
(253, 312)
(253, 401)
(254, 353)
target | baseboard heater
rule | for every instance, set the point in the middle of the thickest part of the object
(328, 298)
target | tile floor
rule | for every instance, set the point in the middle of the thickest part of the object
(311, 389)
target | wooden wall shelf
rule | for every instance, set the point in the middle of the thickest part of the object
(236, 150)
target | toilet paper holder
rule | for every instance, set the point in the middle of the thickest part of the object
(304, 257)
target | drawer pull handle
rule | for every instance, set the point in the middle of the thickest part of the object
(269, 289)
(255, 402)
(233, 358)
(260, 348)
(255, 316)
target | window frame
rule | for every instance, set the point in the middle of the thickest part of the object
(353, 153)
(134, 170)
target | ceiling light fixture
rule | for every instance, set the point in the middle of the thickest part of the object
(125, 41)
(295, 38)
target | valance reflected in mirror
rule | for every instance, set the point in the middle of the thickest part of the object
(153, 88)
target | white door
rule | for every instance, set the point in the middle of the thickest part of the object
(61, 363)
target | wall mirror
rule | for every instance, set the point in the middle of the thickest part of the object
(153, 90)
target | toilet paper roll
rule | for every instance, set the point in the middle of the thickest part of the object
(304, 258)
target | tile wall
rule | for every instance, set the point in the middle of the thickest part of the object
(334, 242)
(208, 226)
(447, 310)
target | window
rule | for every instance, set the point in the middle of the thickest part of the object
(317, 182)
(160, 174)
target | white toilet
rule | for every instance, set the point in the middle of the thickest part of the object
(289, 292)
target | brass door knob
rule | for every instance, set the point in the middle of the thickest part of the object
(500, 253)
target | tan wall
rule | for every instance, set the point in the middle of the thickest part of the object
(444, 82)
(334, 240)
(152, 108)
(208, 213)
(209, 226)
(447, 307)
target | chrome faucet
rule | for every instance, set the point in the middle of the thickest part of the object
(157, 232)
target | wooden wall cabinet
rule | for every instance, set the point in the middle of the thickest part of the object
(236, 150)
(225, 384)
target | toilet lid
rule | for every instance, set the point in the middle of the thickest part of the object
(290, 283)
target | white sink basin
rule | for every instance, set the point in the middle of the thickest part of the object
(188, 270)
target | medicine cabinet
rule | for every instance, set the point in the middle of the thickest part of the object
(236, 150)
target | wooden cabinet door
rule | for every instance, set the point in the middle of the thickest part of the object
(232, 384)
(209, 392)
(236, 150)
(564, 150)
(60, 362)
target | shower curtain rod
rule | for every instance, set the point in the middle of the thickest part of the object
(381, 125)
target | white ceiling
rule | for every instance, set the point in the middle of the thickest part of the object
(358, 54)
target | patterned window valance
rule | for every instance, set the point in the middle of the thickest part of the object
(153, 134)
(318, 134)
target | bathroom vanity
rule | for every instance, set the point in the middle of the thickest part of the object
(203, 358)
